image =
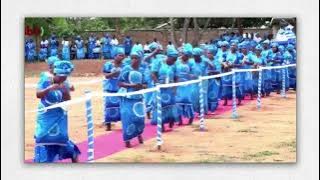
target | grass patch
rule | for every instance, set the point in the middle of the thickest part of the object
(259, 155)
(249, 130)
(291, 144)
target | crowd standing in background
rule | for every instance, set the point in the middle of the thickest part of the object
(134, 67)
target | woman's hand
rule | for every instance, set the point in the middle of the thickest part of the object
(54, 87)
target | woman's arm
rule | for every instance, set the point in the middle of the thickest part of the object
(154, 76)
(42, 92)
(151, 54)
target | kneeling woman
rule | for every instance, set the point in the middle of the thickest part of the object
(51, 135)
(132, 108)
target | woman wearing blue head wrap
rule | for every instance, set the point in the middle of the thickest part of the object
(222, 52)
(91, 45)
(214, 85)
(229, 62)
(164, 72)
(127, 45)
(106, 46)
(51, 134)
(31, 53)
(65, 49)
(43, 53)
(80, 48)
(53, 46)
(111, 71)
(292, 70)
(199, 67)
(276, 60)
(132, 107)
(183, 97)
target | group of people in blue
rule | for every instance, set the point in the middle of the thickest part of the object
(78, 48)
(134, 69)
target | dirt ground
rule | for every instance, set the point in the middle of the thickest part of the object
(268, 135)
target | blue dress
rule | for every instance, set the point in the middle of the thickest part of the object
(51, 134)
(31, 51)
(292, 70)
(111, 104)
(106, 48)
(166, 74)
(127, 46)
(276, 73)
(53, 47)
(199, 69)
(226, 81)
(214, 86)
(65, 52)
(255, 75)
(91, 46)
(132, 107)
(247, 82)
(80, 49)
(43, 53)
(183, 95)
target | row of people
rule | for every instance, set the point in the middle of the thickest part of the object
(139, 71)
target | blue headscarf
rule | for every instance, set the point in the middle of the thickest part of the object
(274, 45)
(62, 68)
(290, 47)
(197, 51)
(51, 60)
(213, 49)
(172, 52)
(153, 46)
(187, 49)
(258, 47)
(281, 48)
(119, 50)
(225, 43)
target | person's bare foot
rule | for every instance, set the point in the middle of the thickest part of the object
(128, 144)
(108, 126)
(239, 101)
(180, 121)
(75, 159)
(148, 115)
(163, 128)
(190, 121)
(171, 123)
(225, 102)
(140, 138)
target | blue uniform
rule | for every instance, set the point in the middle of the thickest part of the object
(111, 104)
(183, 96)
(65, 51)
(127, 45)
(54, 44)
(91, 46)
(106, 47)
(80, 49)
(132, 107)
(166, 74)
(214, 86)
(51, 134)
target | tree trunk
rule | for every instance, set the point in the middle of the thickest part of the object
(204, 28)
(117, 26)
(172, 32)
(196, 32)
(185, 30)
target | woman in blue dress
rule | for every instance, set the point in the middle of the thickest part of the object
(214, 85)
(111, 71)
(292, 70)
(80, 48)
(43, 53)
(106, 46)
(91, 46)
(164, 72)
(65, 49)
(183, 97)
(199, 67)
(51, 134)
(246, 62)
(258, 60)
(229, 61)
(31, 52)
(53, 45)
(127, 45)
(132, 107)
(276, 60)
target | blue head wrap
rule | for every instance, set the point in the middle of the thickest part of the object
(119, 50)
(290, 47)
(153, 46)
(236, 41)
(274, 45)
(213, 49)
(281, 48)
(62, 68)
(219, 43)
(187, 49)
(197, 52)
(51, 60)
(172, 52)
(225, 43)
(258, 47)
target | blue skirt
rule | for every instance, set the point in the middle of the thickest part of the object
(80, 53)
(65, 53)
(133, 115)
(111, 108)
(214, 87)
(52, 153)
(168, 107)
(184, 101)
(292, 77)
(196, 96)
(276, 79)
(53, 52)
(226, 82)
(267, 81)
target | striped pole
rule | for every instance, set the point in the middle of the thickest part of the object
(259, 89)
(234, 96)
(201, 102)
(283, 83)
(159, 120)
(89, 127)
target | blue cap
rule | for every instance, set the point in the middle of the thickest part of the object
(119, 50)
(172, 52)
(197, 51)
(153, 46)
(187, 49)
(51, 60)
